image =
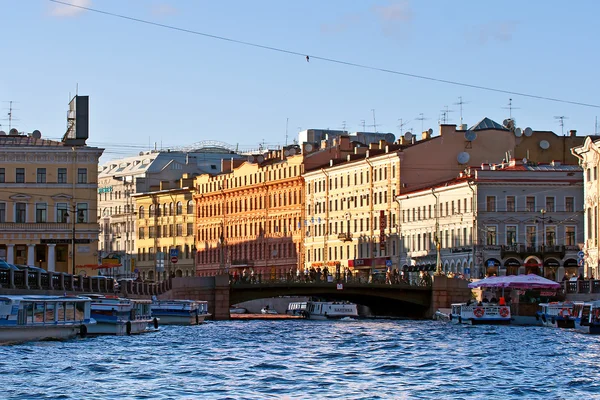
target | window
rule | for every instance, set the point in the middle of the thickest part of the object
(490, 202)
(511, 234)
(41, 175)
(550, 236)
(2, 212)
(2, 175)
(190, 228)
(491, 235)
(20, 175)
(141, 233)
(569, 204)
(61, 212)
(141, 212)
(179, 230)
(21, 213)
(82, 211)
(151, 232)
(40, 212)
(62, 175)
(82, 175)
(510, 203)
(530, 203)
(190, 207)
(179, 208)
(550, 204)
(531, 236)
(569, 235)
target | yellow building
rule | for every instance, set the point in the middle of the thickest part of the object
(48, 199)
(165, 222)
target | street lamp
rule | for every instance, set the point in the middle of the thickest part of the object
(438, 262)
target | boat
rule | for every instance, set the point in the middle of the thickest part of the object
(556, 314)
(180, 312)
(237, 310)
(323, 310)
(120, 316)
(479, 314)
(267, 310)
(30, 318)
(587, 319)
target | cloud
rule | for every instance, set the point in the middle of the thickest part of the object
(61, 10)
(501, 31)
(394, 16)
(163, 9)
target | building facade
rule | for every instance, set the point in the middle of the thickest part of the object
(589, 159)
(504, 219)
(249, 217)
(48, 203)
(165, 222)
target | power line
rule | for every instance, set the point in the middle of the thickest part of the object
(332, 60)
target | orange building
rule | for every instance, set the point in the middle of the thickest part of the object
(249, 217)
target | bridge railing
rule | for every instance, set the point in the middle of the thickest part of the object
(145, 288)
(332, 279)
(581, 286)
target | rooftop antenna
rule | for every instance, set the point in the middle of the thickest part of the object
(445, 116)
(10, 118)
(362, 122)
(510, 108)
(421, 118)
(286, 130)
(561, 122)
(401, 125)
(375, 125)
(344, 126)
(460, 104)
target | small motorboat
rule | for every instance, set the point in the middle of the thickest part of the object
(267, 310)
(180, 312)
(556, 314)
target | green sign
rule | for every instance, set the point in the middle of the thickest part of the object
(107, 189)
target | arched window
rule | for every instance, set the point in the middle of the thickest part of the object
(179, 208)
(157, 214)
(190, 207)
(170, 208)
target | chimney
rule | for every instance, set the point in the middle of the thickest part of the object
(382, 144)
(447, 128)
(573, 133)
(425, 135)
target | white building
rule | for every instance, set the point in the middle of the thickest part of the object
(497, 219)
(119, 179)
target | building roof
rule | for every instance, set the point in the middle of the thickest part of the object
(487, 123)
(21, 140)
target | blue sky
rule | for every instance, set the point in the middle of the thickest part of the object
(149, 84)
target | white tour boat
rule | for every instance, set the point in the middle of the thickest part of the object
(28, 318)
(587, 317)
(180, 312)
(556, 314)
(119, 316)
(323, 310)
(474, 314)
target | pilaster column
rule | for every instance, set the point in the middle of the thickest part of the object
(51, 257)
(31, 254)
(10, 253)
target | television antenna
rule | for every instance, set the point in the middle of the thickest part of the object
(375, 125)
(401, 125)
(10, 118)
(421, 118)
(510, 108)
(561, 122)
(460, 104)
(362, 122)
(445, 117)
(344, 126)
(286, 130)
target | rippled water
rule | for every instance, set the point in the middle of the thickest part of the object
(303, 359)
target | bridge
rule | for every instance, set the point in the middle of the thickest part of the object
(402, 300)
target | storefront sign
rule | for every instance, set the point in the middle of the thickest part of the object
(382, 225)
(107, 189)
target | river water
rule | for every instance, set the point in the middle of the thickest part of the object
(301, 359)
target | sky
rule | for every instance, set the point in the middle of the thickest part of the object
(152, 86)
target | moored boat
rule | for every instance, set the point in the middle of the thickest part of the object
(267, 310)
(556, 314)
(180, 312)
(120, 316)
(587, 318)
(323, 310)
(30, 318)
(479, 314)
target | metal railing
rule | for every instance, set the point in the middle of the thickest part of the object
(581, 286)
(377, 279)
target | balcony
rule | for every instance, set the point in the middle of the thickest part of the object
(36, 227)
(522, 250)
(345, 237)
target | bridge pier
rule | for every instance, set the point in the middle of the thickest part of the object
(445, 291)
